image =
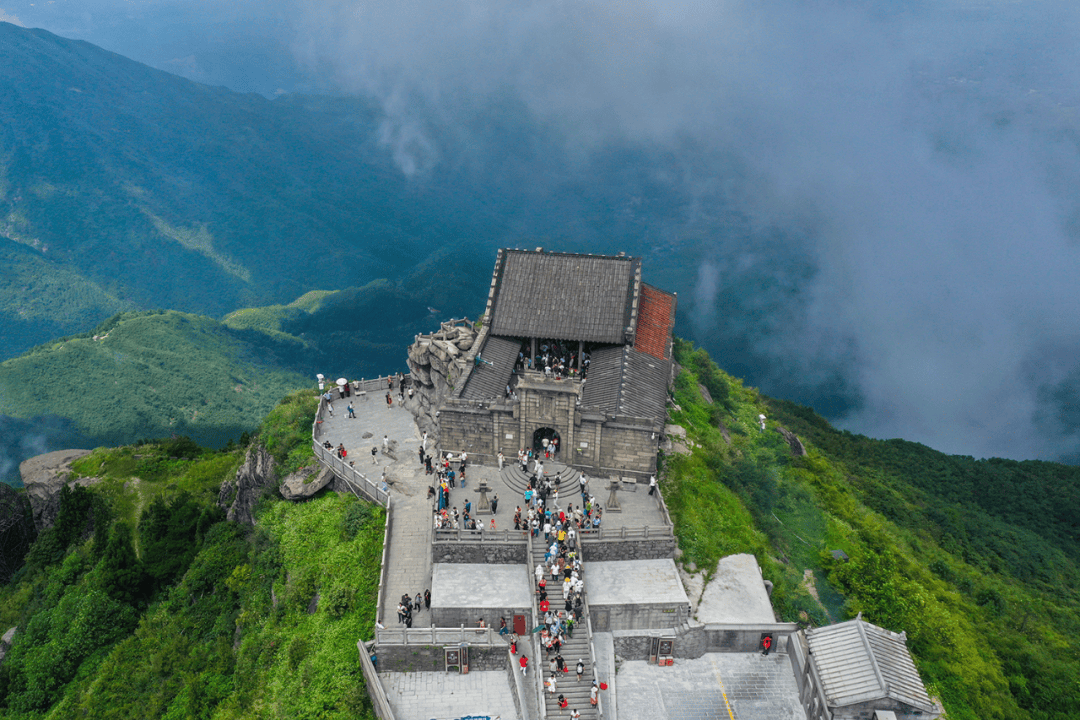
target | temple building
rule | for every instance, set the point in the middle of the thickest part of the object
(572, 348)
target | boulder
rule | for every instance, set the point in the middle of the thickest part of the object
(238, 497)
(44, 476)
(305, 482)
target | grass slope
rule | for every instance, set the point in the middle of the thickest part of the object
(985, 588)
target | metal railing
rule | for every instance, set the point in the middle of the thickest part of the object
(484, 637)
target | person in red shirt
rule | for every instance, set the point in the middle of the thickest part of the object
(524, 663)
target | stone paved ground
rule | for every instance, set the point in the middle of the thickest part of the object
(757, 688)
(431, 695)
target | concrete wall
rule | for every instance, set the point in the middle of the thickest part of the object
(453, 617)
(430, 658)
(638, 616)
(492, 553)
(647, 549)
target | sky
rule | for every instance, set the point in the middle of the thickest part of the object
(876, 199)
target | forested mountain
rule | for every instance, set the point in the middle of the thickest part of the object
(123, 188)
(141, 600)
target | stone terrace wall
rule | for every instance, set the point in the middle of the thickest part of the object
(430, 658)
(491, 553)
(637, 617)
(694, 641)
(645, 549)
(453, 617)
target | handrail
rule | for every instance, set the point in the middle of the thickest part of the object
(589, 634)
(382, 568)
(350, 474)
(538, 672)
(624, 533)
(461, 535)
(383, 709)
(485, 637)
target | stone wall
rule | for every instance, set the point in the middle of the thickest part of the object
(453, 617)
(492, 553)
(693, 641)
(648, 549)
(463, 427)
(608, 618)
(430, 658)
(628, 447)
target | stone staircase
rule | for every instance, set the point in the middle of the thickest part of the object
(577, 693)
(518, 481)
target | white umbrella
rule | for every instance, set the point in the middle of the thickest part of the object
(342, 382)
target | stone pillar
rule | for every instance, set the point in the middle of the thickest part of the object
(483, 506)
(613, 499)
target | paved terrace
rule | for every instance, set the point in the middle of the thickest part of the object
(409, 555)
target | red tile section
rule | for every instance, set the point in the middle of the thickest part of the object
(654, 322)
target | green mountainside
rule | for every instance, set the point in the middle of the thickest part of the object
(142, 602)
(127, 188)
(978, 561)
(166, 373)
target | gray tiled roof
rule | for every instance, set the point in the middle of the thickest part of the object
(564, 296)
(489, 381)
(625, 381)
(858, 662)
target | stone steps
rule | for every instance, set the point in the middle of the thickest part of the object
(518, 481)
(577, 693)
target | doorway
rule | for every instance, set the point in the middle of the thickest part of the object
(548, 434)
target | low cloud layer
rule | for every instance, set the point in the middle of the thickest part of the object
(876, 210)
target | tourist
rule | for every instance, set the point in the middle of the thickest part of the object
(374, 455)
(501, 458)
(352, 413)
(427, 599)
(652, 485)
(580, 669)
(389, 401)
(495, 504)
(524, 663)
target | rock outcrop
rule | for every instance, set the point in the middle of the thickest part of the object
(238, 497)
(16, 530)
(306, 481)
(793, 441)
(5, 642)
(437, 363)
(44, 476)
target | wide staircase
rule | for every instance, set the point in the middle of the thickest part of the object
(577, 693)
(518, 480)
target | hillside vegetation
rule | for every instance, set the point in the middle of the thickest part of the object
(976, 560)
(142, 601)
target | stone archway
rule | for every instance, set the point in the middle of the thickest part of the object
(542, 434)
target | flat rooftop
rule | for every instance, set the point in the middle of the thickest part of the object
(736, 593)
(479, 585)
(634, 582)
(744, 686)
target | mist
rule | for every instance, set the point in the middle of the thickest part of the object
(865, 207)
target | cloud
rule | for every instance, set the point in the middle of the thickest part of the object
(10, 18)
(904, 210)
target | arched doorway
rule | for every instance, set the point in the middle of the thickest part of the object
(542, 434)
